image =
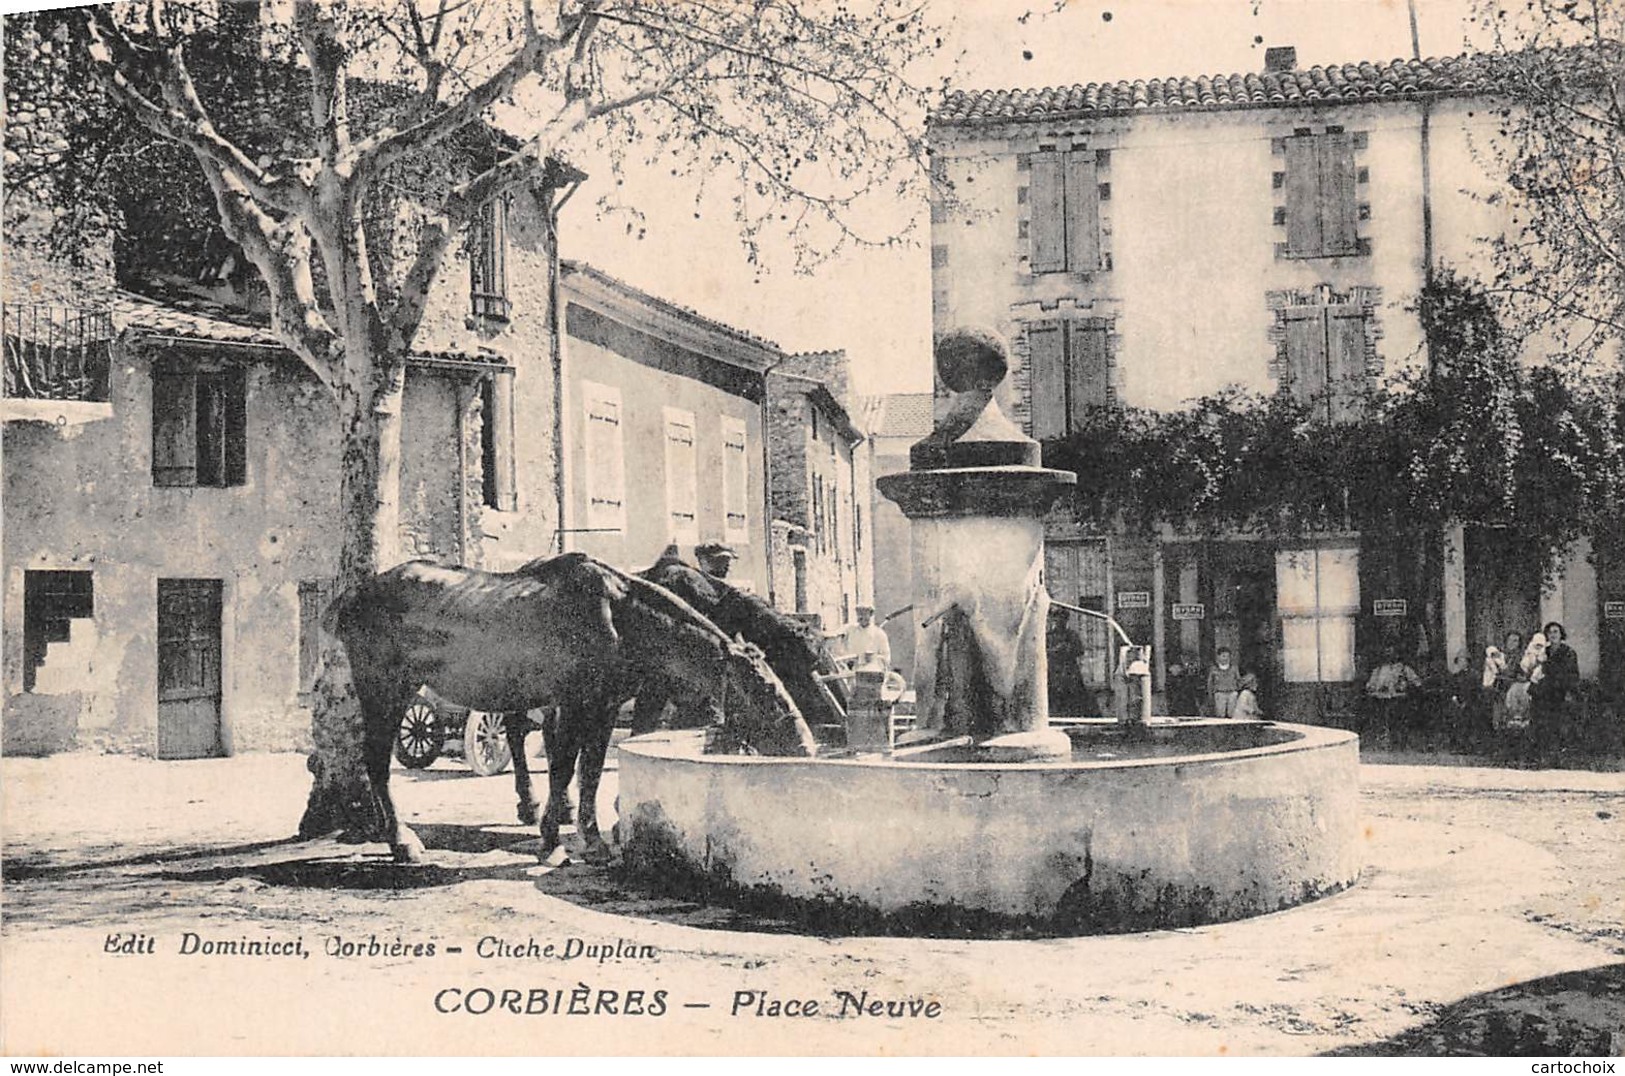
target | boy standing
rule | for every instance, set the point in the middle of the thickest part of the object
(1223, 681)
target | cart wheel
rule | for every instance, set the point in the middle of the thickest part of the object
(421, 735)
(485, 743)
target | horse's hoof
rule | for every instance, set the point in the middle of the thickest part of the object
(408, 853)
(527, 814)
(558, 857)
(406, 847)
(597, 853)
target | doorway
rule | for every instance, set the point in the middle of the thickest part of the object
(189, 668)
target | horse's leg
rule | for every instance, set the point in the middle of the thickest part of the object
(381, 709)
(562, 748)
(517, 726)
(595, 736)
(649, 705)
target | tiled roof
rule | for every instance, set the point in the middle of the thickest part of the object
(215, 323)
(571, 266)
(904, 414)
(1336, 83)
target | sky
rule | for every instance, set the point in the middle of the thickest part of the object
(876, 304)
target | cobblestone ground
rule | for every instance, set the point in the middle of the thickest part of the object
(1490, 920)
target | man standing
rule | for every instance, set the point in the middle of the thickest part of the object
(866, 643)
(715, 558)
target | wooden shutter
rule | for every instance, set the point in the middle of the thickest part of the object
(1082, 212)
(605, 467)
(1338, 215)
(235, 392)
(682, 483)
(1345, 362)
(174, 426)
(1306, 352)
(1047, 355)
(1303, 234)
(735, 481)
(1047, 200)
(211, 430)
(1089, 379)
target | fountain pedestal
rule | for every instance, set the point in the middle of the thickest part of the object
(976, 495)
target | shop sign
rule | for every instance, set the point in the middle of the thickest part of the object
(1613, 610)
(1389, 607)
(1134, 599)
(1190, 611)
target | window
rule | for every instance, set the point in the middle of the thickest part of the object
(605, 465)
(199, 426)
(735, 480)
(497, 480)
(682, 479)
(1326, 358)
(1318, 597)
(1065, 202)
(314, 595)
(51, 601)
(1321, 213)
(488, 287)
(1070, 374)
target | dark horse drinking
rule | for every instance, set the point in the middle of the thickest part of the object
(569, 632)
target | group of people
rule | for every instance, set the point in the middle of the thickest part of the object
(1524, 697)
(1530, 689)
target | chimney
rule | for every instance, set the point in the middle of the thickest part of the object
(1280, 59)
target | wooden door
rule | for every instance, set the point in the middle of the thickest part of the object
(188, 668)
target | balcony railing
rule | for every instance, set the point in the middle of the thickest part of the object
(56, 352)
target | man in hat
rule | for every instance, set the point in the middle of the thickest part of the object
(865, 642)
(715, 558)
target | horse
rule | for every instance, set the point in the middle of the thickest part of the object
(795, 651)
(569, 632)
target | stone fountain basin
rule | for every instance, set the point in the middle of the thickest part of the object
(1201, 822)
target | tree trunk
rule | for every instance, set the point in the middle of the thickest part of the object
(341, 795)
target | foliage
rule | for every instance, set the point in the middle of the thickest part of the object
(1560, 68)
(1480, 438)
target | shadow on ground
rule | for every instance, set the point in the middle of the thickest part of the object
(1575, 1014)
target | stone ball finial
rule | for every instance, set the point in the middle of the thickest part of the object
(971, 359)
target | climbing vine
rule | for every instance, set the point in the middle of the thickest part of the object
(1477, 437)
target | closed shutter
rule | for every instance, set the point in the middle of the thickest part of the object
(211, 429)
(174, 427)
(1082, 213)
(1046, 351)
(682, 486)
(1303, 234)
(1306, 352)
(605, 467)
(1048, 225)
(735, 481)
(236, 429)
(1337, 195)
(1346, 377)
(1089, 380)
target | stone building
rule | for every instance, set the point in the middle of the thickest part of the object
(170, 472)
(663, 428)
(821, 484)
(1151, 242)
